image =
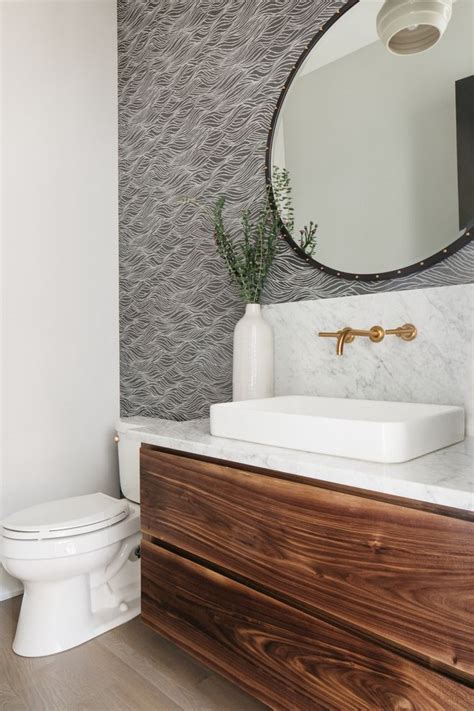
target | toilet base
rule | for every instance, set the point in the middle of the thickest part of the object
(57, 616)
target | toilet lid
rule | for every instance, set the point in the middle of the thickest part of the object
(66, 517)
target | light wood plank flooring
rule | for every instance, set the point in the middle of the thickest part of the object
(128, 669)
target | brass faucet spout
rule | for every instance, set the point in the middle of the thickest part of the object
(344, 336)
(347, 335)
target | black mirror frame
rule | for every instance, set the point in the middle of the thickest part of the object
(457, 244)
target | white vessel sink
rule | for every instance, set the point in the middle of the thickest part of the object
(360, 429)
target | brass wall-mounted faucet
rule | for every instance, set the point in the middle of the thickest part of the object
(407, 332)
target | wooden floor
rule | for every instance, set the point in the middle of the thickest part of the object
(128, 669)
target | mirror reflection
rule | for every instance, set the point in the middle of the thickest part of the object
(364, 154)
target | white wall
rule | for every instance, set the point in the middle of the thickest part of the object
(59, 268)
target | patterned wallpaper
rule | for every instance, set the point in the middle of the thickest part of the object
(198, 83)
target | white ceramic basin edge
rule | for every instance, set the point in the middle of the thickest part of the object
(370, 430)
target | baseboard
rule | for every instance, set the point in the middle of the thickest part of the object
(9, 587)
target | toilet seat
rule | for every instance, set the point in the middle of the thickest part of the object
(66, 546)
(64, 518)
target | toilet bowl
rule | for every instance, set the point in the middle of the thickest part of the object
(78, 559)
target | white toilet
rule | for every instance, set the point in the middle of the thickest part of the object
(78, 559)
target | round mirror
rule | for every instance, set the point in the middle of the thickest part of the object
(371, 153)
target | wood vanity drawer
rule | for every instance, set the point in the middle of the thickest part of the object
(286, 658)
(402, 575)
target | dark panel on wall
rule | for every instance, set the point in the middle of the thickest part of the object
(198, 82)
(465, 145)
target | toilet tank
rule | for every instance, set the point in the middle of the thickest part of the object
(129, 462)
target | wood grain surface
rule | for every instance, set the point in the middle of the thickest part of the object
(284, 657)
(404, 576)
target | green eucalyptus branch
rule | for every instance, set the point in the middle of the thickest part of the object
(308, 238)
(249, 258)
(281, 184)
(282, 195)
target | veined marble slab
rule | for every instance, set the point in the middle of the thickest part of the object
(444, 477)
(437, 367)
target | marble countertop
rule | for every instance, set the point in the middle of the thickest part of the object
(444, 477)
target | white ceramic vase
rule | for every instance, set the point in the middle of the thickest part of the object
(253, 356)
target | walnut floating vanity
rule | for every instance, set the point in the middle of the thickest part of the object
(307, 593)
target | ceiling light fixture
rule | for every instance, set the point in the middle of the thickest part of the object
(412, 26)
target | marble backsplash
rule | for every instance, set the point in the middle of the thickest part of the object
(437, 367)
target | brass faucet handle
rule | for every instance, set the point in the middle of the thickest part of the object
(407, 332)
(377, 334)
(349, 337)
(329, 334)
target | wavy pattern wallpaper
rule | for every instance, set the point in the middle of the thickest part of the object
(198, 83)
